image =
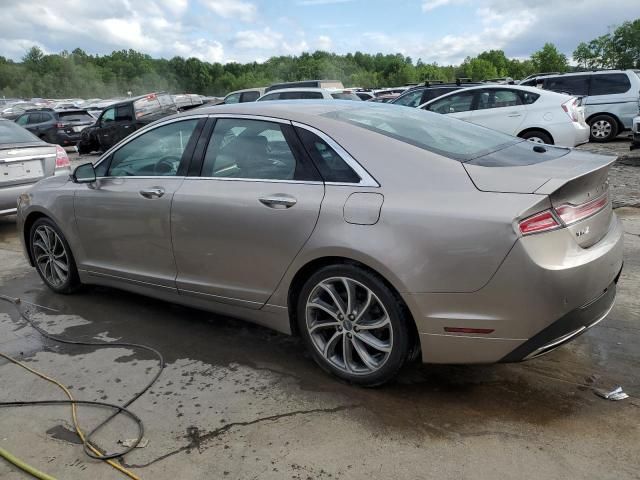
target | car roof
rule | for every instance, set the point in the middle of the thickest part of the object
(535, 90)
(589, 72)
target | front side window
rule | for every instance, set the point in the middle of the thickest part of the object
(233, 98)
(410, 99)
(609, 84)
(124, 113)
(573, 85)
(249, 149)
(459, 102)
(22, 120)
(157, 152)
(331, 166)
(250, 96)
(109, 115)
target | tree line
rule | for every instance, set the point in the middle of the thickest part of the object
(79, 74)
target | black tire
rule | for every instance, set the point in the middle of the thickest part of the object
(72, 281)
(534, 135)
(602, 128)
(402, 343)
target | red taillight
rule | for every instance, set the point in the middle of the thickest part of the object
(571, 108)
(61, 125)
(540, 222)
(574, 213)
(62, 159)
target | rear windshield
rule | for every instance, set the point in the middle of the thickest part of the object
(75, 117)
(436, 133)
(12, 133)
(153, 104)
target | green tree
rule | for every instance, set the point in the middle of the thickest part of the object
(549, 59)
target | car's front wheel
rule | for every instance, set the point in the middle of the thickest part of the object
(354, 325)
(52, 257)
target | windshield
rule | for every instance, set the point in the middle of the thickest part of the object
(12, 133)
(430, 131)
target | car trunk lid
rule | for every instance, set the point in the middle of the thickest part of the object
(26, 163)
(575, 181)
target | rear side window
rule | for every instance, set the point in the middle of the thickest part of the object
(249, 96)
(573, 85)
(528, 97)
(498, 99)
(271, 96)
(331, 166)
(148, 105)
(35, 118)
(609, 84)
(300, 96)
(345, 96)
(124, 113)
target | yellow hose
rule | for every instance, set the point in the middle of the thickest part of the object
(23, 466)
(113, 463)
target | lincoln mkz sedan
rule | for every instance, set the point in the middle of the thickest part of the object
(376, 233)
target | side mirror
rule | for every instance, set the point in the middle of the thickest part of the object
(84, 173)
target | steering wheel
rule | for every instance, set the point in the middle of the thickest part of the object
(167, 165)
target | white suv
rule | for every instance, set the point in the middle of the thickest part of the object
(309, 94)
(537, 115)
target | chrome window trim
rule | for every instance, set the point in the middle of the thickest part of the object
(135, 177)
(133, 136)
(366, 180)
(240, 116)
(258, 180)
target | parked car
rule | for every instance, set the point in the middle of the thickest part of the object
(471, 246)
(365, 94)
(242, 96)
(61, 127)
(431, 89)
(526, 112)
(187, 101)
(335, 84)
(24, 160)
(121, 119)
(635, 141)
(612, 98)
(388, 98)
(14, 110)
(309, 94)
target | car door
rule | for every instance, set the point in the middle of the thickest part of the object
(123, 218)
(458, 105)
(238, 225)
(123, 123)
(106, 130)
(500, 109)
(34, 123)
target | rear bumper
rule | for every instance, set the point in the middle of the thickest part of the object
(570, 134)
(544, 280)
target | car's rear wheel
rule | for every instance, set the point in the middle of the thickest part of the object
(537, 136)
(52, 257)
(604, 128)
(354, 325)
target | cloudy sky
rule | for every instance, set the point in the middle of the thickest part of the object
(443, 31)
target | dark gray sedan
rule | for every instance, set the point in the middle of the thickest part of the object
(374, 232)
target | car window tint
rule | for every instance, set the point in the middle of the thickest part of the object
(609, 84)
(271, 96)
(233, 98)
(300, 96)
(345, 96)
(331, 166)
(22, 120)
(156, 152)
(459, 102)
(124, 113)
(75, 117)
(528, 97)
(35, 118)
(410, 99)
(573, 85)
(251, 96)
(498, 99)
(440, 134)
(250, 149)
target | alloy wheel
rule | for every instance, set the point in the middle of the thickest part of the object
(50, 255)
(601, 129)
(349, 325)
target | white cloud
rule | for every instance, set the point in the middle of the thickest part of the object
(202, 49)
(324, 43)
(245, 11)
(265, 39)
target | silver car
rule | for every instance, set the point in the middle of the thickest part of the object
(25, 159)
(376, 233)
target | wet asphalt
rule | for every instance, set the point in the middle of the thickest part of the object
(241, 402)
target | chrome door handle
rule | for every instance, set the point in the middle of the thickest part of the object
(155, 192)
(278, 201)
(515, 114)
